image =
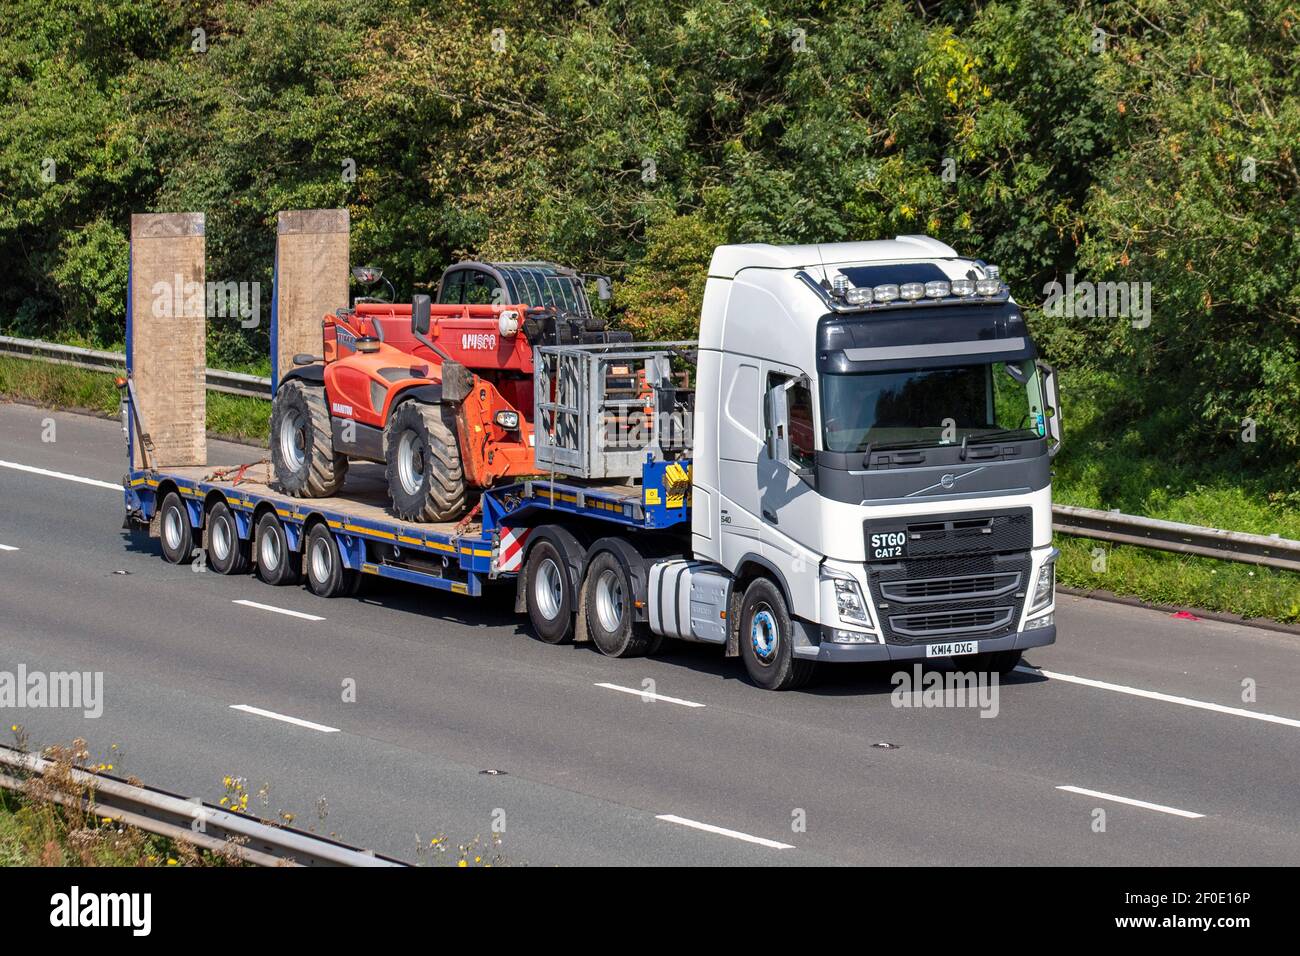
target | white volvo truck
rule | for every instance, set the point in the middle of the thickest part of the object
(851, 464)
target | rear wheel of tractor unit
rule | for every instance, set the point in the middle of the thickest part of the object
(425, 479)
(607, 609)
(549, 593)
(302, 442)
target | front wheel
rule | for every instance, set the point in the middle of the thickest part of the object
(425, 478)
(767, 639)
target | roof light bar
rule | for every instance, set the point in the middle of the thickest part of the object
(845, 297)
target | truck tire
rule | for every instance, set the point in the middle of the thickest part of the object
(767, 639)
(276, 563)
(174, 531)
(990, 662)
(607, 611)
(226, 553)
(425, 479)
(549, 594)
(302, 442)
(322, 565)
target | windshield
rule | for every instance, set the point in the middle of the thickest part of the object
(933, 406)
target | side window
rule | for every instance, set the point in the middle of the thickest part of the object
(803, 447)
(480, 289)
(799, 414)
(452, 287)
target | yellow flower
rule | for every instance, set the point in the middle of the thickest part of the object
(462, 863)
(171, 862)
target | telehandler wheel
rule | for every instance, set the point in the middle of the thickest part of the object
(175, 534)
(226, 553)
(425, 479)
(276, 563)
(606, 609)
(549, 594)
(323, 565)
(302, 442)
(767, 639)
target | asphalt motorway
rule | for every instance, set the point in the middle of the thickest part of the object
(1138, 739)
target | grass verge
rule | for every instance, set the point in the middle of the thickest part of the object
(233, 417)
(38, 830)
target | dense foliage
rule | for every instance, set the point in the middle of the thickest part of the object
(1150, 141)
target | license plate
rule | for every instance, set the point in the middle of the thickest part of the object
(887, 545)
(955, 649)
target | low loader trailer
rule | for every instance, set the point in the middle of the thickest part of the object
(851, 464)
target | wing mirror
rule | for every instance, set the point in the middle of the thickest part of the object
(420, 315)
(1051, 406)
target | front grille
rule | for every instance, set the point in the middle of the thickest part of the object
(975, 621)
(990, 532)
(967, 586)
(920, 600)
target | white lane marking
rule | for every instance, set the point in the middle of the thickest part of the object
(723, 831)
(7, 547)
(279, 610)
(1134, 803)
(297, 722)
(1166, 698)
(649, 696)
(59, 474)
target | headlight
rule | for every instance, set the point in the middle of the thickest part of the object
(507, 420)
(1044, 586)
(849, 604)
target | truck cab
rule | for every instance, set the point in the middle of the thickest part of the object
(873, 438)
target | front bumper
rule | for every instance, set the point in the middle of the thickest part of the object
(855, 653)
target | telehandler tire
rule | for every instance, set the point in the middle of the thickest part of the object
(302, 442)
(425, 479)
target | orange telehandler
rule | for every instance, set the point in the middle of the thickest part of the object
(439, 391)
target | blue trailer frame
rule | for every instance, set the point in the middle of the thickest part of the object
(661, 501)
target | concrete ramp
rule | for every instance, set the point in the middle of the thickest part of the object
(311, 280)
(166, 335)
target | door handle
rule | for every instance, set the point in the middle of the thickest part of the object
(769, 516)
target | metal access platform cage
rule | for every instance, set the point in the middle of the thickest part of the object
(602, 411)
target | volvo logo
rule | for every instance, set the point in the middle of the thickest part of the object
(946, 482)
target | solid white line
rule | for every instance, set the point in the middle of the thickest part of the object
(7, 547)
(723, 831)
(1134, 803)
(1166, 698)
(288, 720)
(58, 474)
(279, 610)
(649, 696)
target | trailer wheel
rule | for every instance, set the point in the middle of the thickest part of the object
(425, 478)
(302, 442)
(766, 639)
(175, 533)
(607, 612)
(275, 561)
(323, 565)
(550, 593)
(226, 553)
(994, 662)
